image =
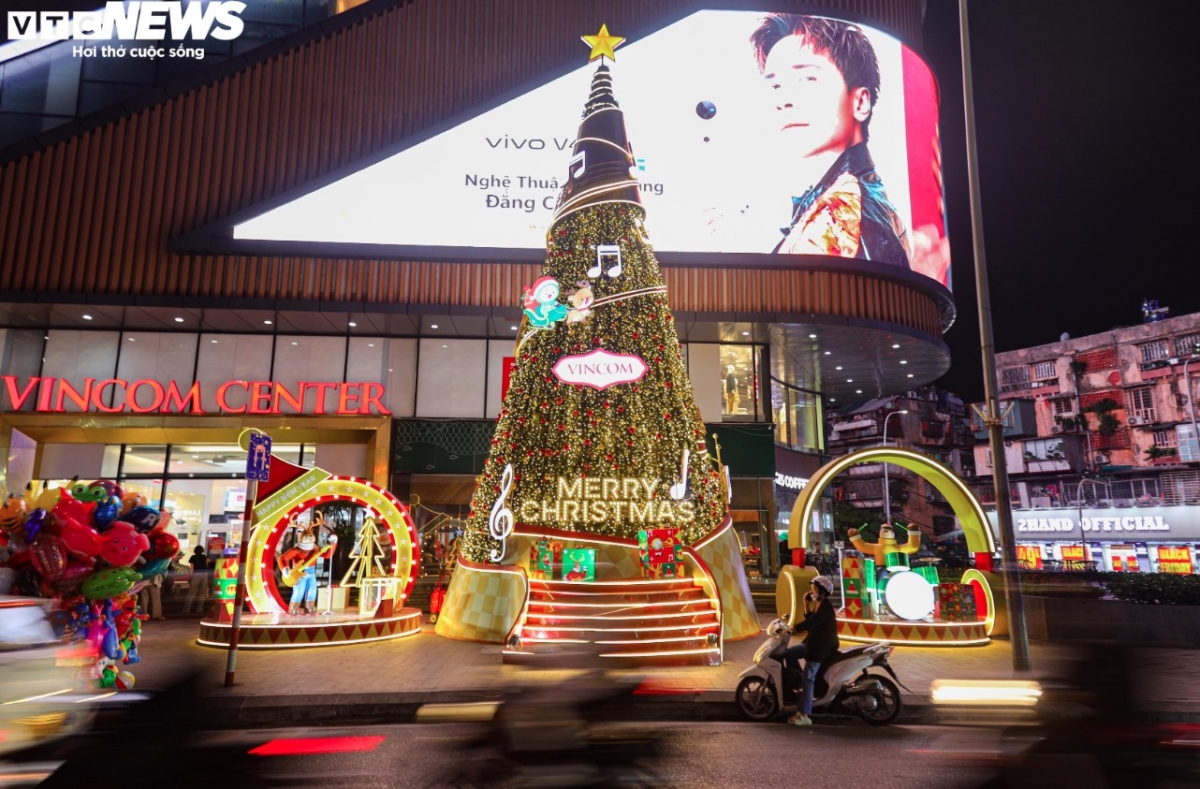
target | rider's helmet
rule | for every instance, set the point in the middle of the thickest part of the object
(824, 583)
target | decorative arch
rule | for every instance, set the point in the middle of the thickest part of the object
(958, 495)
(272, 520)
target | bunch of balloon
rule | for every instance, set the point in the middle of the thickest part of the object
(89, 548)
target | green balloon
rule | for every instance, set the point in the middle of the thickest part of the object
(109, 583)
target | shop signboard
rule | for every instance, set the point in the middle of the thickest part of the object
(1072, 557)
(1107, 524)
(1029, 557)
(1175, 559)
(47, 395)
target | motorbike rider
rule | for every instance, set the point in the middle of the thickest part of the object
(821, 644)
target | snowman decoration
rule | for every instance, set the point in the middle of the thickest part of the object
(541, 303)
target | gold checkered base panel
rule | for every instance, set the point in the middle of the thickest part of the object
(483, 602)
(724, 559)
(925, 634)
(282, 631)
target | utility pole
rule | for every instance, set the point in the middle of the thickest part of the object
(993, 417)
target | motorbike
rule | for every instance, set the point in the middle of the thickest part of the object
(846, 683)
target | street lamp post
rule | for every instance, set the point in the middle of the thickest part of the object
(987, 347)
(887, 499)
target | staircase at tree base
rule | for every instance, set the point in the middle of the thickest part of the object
(670, 622)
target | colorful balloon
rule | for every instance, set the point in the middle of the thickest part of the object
(33, 524)
(106, 513)
(122, 544)
(163, 544)
(48, 555)
(12, 515)
(131, 501)
(109, 583)
(70, 508)
(74, 573)
(111, 488)
(89, 493)
(144, 519)
(48, 499)
(80, 539)
(154, 567)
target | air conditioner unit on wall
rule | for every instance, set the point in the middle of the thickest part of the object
(1101, 459)
(1136, 420)
(1056, 429)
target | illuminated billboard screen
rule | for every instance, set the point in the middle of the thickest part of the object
(752, 133)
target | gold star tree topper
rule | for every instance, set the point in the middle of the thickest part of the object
(603, 44)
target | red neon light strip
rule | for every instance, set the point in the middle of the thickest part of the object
(307, 746)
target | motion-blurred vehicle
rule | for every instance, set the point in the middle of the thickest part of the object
(43, 689)
(845, 683)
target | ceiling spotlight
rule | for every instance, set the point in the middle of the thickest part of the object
(745, 334)
(178, 319)
(838, 367)
(433, 325)
(895, 345)
(445, 346)
(904, 361)
(812, 336)
(910, 375)
(849, 380)
(267, 322)
(829, 353)
(858, 391)
(214, 342)
(132, 339)
(514, 328)
(833, 399)
(352, 324)
(370, 345)
(87, 317)
(295, 343)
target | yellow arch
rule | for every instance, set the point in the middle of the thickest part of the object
(962, 501)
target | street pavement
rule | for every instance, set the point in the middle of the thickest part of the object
(390, 680)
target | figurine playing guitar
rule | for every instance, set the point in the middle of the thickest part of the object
(299, 567)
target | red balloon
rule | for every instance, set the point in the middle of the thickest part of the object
(163, 545)
(80, 539)
(74, 573)
(122, 544)
(49, 556)
(68, 509)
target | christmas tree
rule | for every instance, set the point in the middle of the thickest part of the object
(625, 449)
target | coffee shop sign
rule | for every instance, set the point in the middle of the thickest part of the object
(789, 482)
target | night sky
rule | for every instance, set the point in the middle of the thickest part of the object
(1086, 117)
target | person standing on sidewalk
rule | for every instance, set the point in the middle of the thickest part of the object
(151, 598)
(198, 583)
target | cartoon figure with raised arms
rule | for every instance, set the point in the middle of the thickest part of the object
(541, 303)
(887, 543)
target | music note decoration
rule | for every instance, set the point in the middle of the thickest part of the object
(607, 251)
(501, 520)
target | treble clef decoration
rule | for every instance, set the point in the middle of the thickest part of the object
(500, 522)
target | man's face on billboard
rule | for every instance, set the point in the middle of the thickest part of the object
(817, 112)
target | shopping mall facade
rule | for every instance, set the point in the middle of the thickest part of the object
(139, 333)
